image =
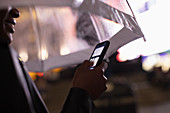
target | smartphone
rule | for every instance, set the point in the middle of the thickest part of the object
(99, 53)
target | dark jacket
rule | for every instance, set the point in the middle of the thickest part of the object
(20, 95)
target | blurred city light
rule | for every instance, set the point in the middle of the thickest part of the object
(153, 19)
(24, 55)
(33, 75)
(64, 51)
(155, 61)
(43, 53)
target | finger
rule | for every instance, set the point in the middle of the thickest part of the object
(104, 83)
(104, 88)
(105, 78)
(105, 65)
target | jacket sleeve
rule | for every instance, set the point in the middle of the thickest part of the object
(78, 101)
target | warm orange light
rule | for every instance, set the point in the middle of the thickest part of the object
(40, 74)
(57, 70)
(33, 75)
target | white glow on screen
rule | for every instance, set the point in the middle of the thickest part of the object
(94, 60)
(98, 51)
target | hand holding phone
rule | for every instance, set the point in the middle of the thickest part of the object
(99, 53)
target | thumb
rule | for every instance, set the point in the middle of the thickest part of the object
(87, 64)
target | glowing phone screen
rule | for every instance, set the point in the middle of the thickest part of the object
(96, 55)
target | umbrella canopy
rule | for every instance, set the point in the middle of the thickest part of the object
(51, 34)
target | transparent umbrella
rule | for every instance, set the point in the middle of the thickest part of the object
(51, 34)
